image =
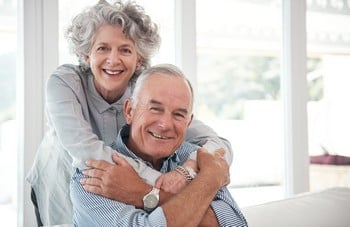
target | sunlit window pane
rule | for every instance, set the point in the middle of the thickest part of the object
(8, 150)
(238, 49)
(329, 78)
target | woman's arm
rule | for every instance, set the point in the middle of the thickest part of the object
(204, 136)
(71, 120)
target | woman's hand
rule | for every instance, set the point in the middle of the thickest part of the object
(117, 181)
(171, 182)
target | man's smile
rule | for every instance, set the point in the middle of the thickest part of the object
(158, 136)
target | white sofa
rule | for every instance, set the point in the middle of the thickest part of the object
(327, 208)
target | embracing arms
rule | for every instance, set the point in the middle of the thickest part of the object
(190, 207)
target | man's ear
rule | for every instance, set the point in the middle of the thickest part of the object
(191, 118)
(128, 111)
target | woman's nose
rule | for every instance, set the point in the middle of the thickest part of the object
(113, 58)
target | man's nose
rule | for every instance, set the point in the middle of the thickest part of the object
(165, 121)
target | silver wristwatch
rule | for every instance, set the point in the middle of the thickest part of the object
(151, 200)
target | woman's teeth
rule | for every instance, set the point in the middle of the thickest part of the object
(113, 72)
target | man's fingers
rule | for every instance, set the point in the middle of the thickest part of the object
(220, 153)
(202, 149)
(159, 182)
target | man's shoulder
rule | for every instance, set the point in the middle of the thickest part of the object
(186, 149)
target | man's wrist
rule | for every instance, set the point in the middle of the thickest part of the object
(151, 200)
(192, 164)
(187, 172)
(138, 203)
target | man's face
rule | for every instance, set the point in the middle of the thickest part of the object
(160, 118)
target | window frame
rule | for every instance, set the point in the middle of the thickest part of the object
(38, 57)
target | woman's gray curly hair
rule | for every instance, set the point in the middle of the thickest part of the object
(133, 20)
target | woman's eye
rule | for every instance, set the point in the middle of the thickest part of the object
(101, 49)
(126, 51)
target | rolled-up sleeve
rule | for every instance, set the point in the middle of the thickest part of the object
(226, 210)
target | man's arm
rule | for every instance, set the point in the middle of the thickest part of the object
(180, 210)
(189, 207)
(187, 200)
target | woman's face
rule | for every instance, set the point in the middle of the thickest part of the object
(113, 60)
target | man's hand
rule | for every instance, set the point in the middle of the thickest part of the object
(117, 181)
(214, 166)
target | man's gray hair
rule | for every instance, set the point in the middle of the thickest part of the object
(164, 69)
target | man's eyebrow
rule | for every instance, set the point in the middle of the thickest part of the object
(153, 101)
(183, 110)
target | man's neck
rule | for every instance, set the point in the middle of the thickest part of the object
(134, 148)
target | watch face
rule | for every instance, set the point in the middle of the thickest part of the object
(151, 201)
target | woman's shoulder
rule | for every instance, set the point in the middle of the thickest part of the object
(68, 71)
(67, 81)
(70, 74)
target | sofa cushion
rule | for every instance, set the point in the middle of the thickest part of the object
(327, 208)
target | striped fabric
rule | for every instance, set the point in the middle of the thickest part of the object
(91, 210)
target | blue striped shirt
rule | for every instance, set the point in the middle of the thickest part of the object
(91, 210)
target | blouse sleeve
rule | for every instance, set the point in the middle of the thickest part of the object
(204, 136)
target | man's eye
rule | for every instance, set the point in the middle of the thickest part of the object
(179, 115)
(155, 109)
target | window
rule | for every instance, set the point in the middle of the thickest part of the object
(328, 78)
(238, 93)
(238, 49)
(8, 151)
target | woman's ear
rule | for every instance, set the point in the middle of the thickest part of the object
(87, 59)
(139, 63)
(128, 111)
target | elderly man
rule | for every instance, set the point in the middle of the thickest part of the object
(157, 115)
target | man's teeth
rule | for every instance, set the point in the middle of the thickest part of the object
(159, 136)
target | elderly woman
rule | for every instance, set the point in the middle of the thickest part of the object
(114, 44)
